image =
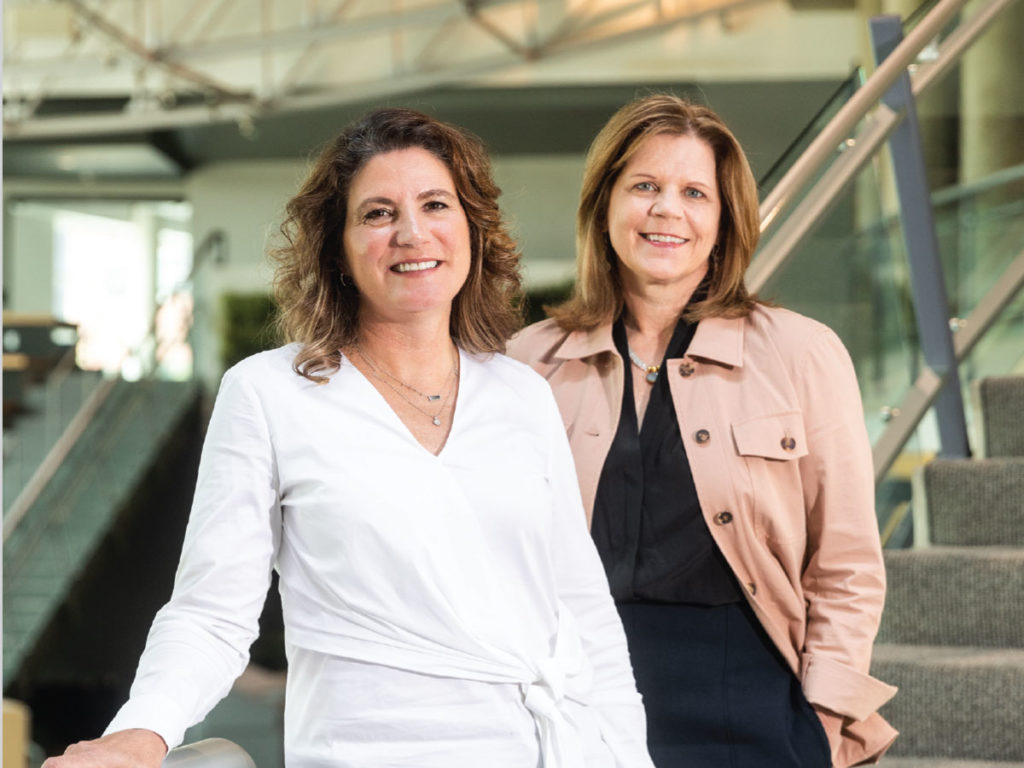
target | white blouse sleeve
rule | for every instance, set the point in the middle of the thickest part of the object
(583, 588)
(199, 641)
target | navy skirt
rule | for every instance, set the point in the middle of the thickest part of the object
(717, 692)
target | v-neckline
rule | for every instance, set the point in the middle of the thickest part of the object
(457, 394)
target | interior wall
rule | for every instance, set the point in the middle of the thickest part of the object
(245, 202)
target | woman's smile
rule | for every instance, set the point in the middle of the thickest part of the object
(415, 266)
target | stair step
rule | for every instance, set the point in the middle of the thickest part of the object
(1001, 400)
(957, 596)
(55, 540)
(954, 703)
(975, 502)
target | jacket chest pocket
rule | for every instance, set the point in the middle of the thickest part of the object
(770, 446)
(778, 436)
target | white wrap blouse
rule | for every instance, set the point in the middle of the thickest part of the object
(443, 610)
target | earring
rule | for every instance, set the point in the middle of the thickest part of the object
(345, 281)
(715, 255)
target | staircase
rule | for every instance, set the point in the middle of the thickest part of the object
(127, 464)
(952, 635)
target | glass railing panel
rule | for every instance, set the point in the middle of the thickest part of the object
(842, 94)
(980, 229)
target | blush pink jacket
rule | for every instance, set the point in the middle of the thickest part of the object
(773, 427)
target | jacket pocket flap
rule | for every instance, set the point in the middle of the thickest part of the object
(776, 436)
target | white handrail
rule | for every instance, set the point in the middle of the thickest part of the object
(840, 127)
(60, 450)
(209, 753)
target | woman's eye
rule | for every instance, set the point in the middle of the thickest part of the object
(691, 192)
(435, 205)
(376, 214)
(645, 186)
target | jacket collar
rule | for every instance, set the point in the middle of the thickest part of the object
(718, 339)
(580, 344)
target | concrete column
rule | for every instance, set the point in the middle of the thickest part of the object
(144, 217)
(28, 259)
(992, 97)
(991, 127)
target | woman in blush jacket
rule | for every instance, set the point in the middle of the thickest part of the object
(722, 457)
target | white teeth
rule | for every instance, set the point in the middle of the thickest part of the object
(414, 266)
(665, 239)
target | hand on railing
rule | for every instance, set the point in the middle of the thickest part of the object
(134, 748)
(139, 748)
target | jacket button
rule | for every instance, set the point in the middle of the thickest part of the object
(788, 443)
(702, 436)
(686, 368)
(723, 518)
(752, 587)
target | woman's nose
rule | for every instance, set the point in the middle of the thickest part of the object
(410, 230)
(667, 204)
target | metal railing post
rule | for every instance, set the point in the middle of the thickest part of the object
(927, 285)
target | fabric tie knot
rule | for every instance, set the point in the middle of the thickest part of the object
(560, 743)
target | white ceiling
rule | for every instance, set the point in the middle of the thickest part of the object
(93, 67)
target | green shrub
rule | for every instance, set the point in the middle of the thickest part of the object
(549, 295)
(248, 325)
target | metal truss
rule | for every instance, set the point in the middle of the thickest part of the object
(81, 67)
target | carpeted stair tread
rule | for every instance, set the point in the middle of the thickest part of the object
(1002, 407)
(955, 596)
(954, 702)
(975, 502)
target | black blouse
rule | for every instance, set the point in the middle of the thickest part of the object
(647, 525)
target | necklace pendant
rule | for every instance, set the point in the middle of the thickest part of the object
(437, 421)
(652, 376)
(432, 398)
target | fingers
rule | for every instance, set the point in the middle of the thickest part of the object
(124, 749)
(84, 754)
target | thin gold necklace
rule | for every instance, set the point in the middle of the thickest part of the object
(384, 375)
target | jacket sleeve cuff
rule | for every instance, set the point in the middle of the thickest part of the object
(842, 689)
(152, 712)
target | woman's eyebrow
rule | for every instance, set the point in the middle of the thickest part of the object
(434, 193)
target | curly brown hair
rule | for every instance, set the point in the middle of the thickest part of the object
(318, 311)
(597, 296)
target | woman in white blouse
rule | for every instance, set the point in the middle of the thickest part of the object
(443, 603)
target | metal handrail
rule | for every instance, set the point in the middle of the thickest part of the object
(840, 127)
(862, 148)
(926, 387)
(209, 753)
